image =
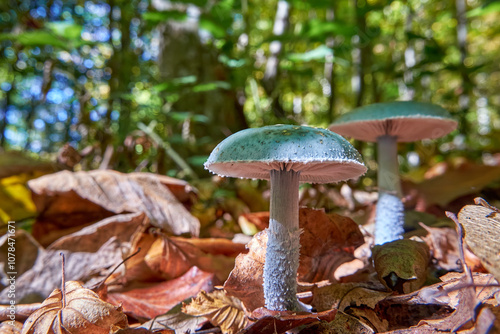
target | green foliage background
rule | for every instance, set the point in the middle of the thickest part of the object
(88, 73)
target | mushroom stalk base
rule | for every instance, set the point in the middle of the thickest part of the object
(389, 218)
(283, 244)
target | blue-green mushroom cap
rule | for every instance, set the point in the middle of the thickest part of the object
(406, 120)
(320, 155)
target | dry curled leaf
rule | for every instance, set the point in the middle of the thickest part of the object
(222, 310)
(11, 327)
(164, 257)
(246, 279)
(457, 181)
(327, 241)
(175, 320)
(443, 243)
(276, 322)
(95, 195)
(80, 312)
(23, 311)
(441, 307)
(342, 324)
(342, 296)
(158, 298)
(402, 265)
(481, 225)
(38, 282)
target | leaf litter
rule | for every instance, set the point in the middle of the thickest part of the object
(99, 218)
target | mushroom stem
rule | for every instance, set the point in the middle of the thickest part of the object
(388, 166)
(283, 243)
(390, 210)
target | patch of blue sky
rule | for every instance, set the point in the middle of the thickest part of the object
(5, 86)
(55, 96)
(62, 115)
(101, 34)
(55, 137)
(39, 12)
(94, 116)
(39, 124)
(13, 115)
(36, 146)
(15, 137)
(88, 63)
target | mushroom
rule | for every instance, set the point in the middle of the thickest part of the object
(285, 155)
(387, 124)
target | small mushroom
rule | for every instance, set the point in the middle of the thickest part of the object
(387, 124)
(285, 155)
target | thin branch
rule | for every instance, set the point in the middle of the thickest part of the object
(168, 149)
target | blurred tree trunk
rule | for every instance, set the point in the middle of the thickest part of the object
(360, 55)
(271, 73)
(183, 53)
(467, 85)
(121, 62)
(127, 59)
(113, 65)
(410, 61)
(6, 104)
(329, 70)
(30, 118)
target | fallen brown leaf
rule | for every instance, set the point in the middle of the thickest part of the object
(482, 232)
(432, 308)
(327, 241)
(155, 299)
(370, 318)
(38, 282)
(95, 195)
(344, 295)
(222, 310)
(171, 255)
(24, 244)
(79, 311)
(343, 323)
(11, 327)
(23, 311)
(276, 322)
(142, 331)
(246, 279)
(89, 239)
(89, 253)
(176, 320)
(443, 244)
(464, 179)
(162, 257)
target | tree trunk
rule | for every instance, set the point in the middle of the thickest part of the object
(182, 54)
(467, 85)
(360, 56)
(3, 112)
(271, 73)
(329, 71)
(410, 61)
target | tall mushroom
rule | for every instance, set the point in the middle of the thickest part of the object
(387, 124)
(285, 155)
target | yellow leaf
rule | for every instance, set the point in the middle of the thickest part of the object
(15, 198)
(222, 310)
